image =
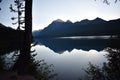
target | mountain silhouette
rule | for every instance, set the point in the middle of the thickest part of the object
(95, 21)
(96, 27)
(10, 39)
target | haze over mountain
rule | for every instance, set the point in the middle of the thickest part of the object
(98, 26)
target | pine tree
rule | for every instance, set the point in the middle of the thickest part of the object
(19, 9)
(25, 57)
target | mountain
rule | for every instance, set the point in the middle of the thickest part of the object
(59, 21)
(95, 21)
(10, 39)
(98, 26)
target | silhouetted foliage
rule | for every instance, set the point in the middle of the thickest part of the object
(109, 71)
(94, 72)
(24, 57)
(109, 1)
(20, 9)
(115, 42)
(36, 68)
(0, 2)
(41, 70)
(1, 64)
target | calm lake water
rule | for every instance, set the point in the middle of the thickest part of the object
(70, 56)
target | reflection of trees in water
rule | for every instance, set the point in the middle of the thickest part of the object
(39, 69)
(1, 64)
(109, 71)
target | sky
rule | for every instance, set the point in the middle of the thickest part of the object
(46, 11)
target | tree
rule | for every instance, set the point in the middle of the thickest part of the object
(20, 8)
(0, 2)
(28, 26)
(109, 71)
(24, 57)
(108, 1)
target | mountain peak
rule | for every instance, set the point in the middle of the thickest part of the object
(68, 21)
(95, 27)
(58, 20)
(85, 21)
(98, 19)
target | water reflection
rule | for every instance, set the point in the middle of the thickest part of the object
(25, 67)
(70, 65)
(109, 71)
(60, 45)
(76, 54)
(15, 65)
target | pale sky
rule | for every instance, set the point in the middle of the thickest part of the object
(46, 11)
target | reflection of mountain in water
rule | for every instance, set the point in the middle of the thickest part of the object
(60, 45)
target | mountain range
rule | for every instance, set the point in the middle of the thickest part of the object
(96, 27)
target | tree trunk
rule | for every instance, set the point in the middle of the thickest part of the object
(28, 26)
(23, 61)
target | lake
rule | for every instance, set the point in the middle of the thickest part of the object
(71, 55)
